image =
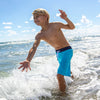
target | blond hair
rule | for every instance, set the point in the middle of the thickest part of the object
(41, 11)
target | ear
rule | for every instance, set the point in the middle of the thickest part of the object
(46, 17)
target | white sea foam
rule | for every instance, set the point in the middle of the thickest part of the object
(41, 80)
(31, 85)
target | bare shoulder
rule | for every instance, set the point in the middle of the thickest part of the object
(56, 24)
(39, 36)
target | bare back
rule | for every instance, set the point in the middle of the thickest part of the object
(54, 36)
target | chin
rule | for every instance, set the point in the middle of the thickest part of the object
(38, 24)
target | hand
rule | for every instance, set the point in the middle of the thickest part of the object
(63, 14)
(25, 65)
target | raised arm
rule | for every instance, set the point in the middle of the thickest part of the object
(26, 63)
(69, 24)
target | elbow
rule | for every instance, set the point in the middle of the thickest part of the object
(73, 27)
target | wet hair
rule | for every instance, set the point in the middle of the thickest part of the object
(41, 11)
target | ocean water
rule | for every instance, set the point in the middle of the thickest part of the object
(40, 83)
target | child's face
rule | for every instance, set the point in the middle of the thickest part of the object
(39, 19)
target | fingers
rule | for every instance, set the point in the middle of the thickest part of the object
(61, 11)
(21, 62)
(25, 65)
(26, 69)
(20, 67)
(63, 14)
(23, 69)
(29, 67)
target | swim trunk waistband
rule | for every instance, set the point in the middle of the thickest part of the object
(63, 49)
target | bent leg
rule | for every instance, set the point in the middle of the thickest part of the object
(61, 82)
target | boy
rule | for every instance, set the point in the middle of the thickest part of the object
(52, 34)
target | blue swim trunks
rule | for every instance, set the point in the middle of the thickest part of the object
(64, 56)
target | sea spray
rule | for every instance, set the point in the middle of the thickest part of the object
(41, 80)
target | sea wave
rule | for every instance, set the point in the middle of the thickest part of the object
(41, 80)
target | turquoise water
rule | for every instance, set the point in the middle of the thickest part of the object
(39, 83)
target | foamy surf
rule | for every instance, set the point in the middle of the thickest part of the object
(32, 85)
(41, 82)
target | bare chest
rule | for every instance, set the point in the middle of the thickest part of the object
(50, 34)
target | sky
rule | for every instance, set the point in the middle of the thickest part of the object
(16, 22)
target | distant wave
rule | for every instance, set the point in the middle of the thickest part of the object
(72, 38)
